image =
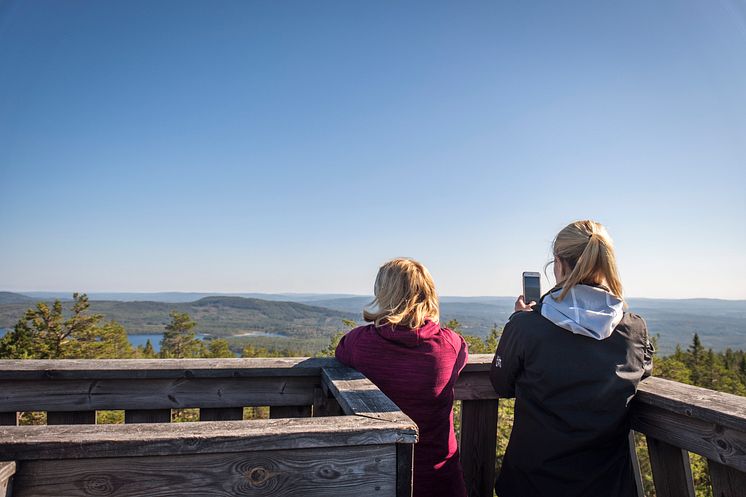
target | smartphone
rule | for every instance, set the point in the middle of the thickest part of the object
(531, 286)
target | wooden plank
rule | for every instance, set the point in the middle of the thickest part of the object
(478, 445)
(21, 443)
(724, 445)
(34, 369)
(474, 386)
(74, 395)
(71, 417)
(694, 402)
(7, 470)
(672, 473)
(328, 472)
(357, 395)
(324, 404)
(726, 482)
(639, 487)
(225, 414)
(290, 412)
(8, 418)
(147, 416)
(404, 467)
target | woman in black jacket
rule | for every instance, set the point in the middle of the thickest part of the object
(573, 362)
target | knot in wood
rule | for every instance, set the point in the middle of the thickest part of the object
(259, 476)
(98, 485)
(329, 473)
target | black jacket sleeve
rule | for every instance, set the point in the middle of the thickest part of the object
(508, 361)
(647, 364)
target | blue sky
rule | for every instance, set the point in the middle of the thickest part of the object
(295, 146)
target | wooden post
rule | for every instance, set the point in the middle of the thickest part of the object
(636, 465)
(147, 416)
(221, 414)
(324, 404)
(8, 419)
(7, 470)
(478, 445)
(672, 473)
(726, 481)
(404, 467)
(289, 412)
(71, 417)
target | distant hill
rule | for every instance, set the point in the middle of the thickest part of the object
(14, 298)
(217, 316)
(720, 323)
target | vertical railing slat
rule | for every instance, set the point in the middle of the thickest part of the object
(7, 470)
(404, 474)
(636, 465)
(221, 414)
(672, 472)
(71, 417)
(726, 481)
(147, 416)
(478, 445)
(290, 412)
(8, 419)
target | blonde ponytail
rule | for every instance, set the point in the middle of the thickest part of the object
(586, 248)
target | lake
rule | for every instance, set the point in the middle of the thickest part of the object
(135, 340)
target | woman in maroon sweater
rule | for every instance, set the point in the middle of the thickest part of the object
(415, 362)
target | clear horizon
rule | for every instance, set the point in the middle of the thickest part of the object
(296, 146)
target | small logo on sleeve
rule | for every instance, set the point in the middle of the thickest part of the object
(498, 362)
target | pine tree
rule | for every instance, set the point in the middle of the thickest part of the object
(179, 339)
(218, 347)
(148, 350)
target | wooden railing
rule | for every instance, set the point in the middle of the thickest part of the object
(674, 418)
(338, 435)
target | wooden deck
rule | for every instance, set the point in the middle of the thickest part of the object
(331, 431)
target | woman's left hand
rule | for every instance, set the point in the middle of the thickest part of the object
(521, 305)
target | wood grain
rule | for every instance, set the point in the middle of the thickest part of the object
(726, 482)
(74, 395)
(7, 470)
(694, 402)
(357, 395)
(721, 444)
(337, 471)
(672, 472)
(478, 445)
(324, 403)
(474, 386)
(147, 416)
(89, 369)
(23, 443)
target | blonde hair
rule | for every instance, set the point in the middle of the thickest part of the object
(588, 251)
(404, 295)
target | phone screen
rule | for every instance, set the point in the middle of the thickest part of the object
(531, 287)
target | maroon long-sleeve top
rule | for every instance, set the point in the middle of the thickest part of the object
(417, 369)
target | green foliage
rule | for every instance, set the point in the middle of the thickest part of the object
(328, 351)
(180, 339)
(218, 347)
(45, 333)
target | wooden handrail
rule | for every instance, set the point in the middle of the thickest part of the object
(675, 418)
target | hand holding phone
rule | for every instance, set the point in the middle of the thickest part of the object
(531, 288)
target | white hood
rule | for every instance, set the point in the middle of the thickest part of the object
(585, 310)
